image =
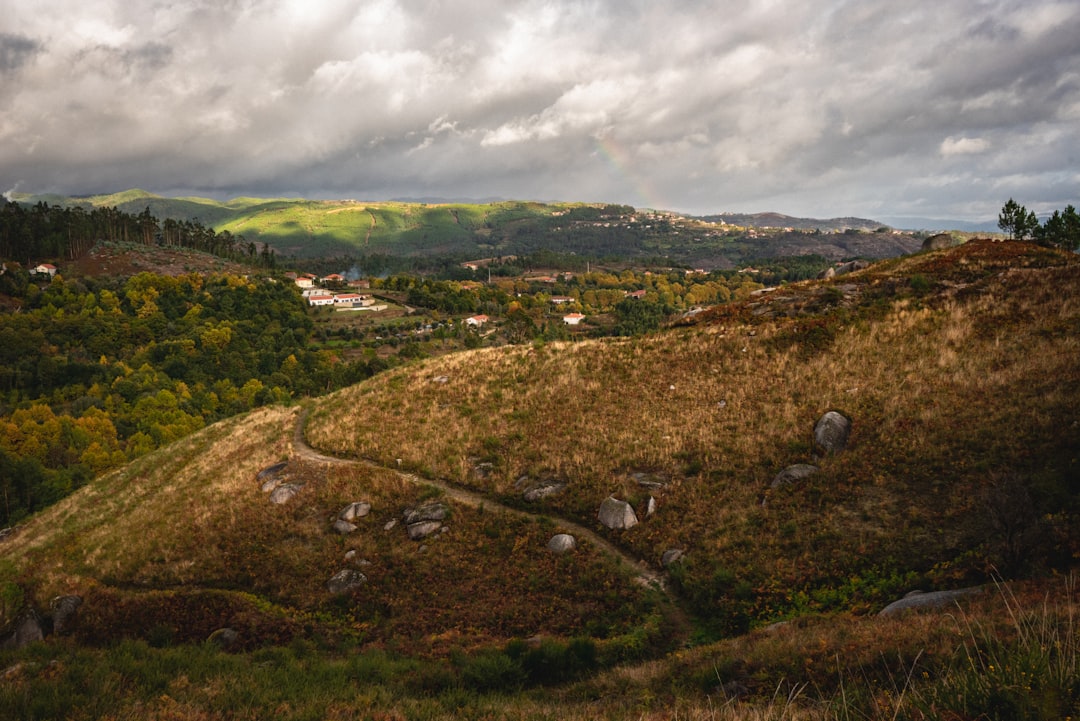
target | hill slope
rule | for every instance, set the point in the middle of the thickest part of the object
(958, 368)
(322, 229)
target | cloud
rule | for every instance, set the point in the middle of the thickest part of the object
(827, 107)
(964, 146)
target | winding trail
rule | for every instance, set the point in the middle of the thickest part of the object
(645, 575)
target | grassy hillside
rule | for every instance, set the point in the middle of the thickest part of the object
(337, 228)
(958, 368)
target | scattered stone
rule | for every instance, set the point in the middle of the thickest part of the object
(793, 474)
(440, 379)
(345, 581)
(561, 543)
(224, 638)
(831, 432)
(27, 629)
(390, 524)
(617, 514)
(670, 556)
(355, 510)
(543, 490)
(272, 476)
(423, 529)
(344, 527)
(934, 599)
(350, 555)
(427, 512)
(64, 610)
(483, 470)
(650, 507)
(285, 493)
(651, 481)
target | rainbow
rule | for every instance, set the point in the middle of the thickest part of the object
(620, 161)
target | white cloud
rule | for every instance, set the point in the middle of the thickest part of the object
(964, 146)
(772, 105)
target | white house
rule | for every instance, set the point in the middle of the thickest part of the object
(45, 269)
(320, 300)
(573, 318)
(476, 320)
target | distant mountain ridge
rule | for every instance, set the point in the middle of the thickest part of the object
(779, 220)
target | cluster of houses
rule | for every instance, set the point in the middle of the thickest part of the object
(321, 296)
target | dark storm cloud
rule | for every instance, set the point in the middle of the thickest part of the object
(823, 107)
(15, 51)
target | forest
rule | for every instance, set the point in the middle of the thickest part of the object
(97, 371)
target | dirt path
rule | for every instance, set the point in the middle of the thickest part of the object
(645, 575)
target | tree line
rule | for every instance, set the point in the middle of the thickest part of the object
(1061, 228)
(51, 231)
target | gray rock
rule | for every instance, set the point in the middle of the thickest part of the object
(64, 609)
(543, 490)
(345, 581)
(941, 241)
(827, 273)
(224, 638)
(285, 493)
(344, 527)
(617, 514)
(389, 524)
(423, 529)
(27, 630)
(851, 266)
(934, 599)
(561, 543)
(831, 432)
(670, 556)
(355, 510)
(272, 476)
(428, 512)
(793, 474)
(650, 507)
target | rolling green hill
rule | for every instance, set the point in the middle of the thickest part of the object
(958, 370)
(309, 229)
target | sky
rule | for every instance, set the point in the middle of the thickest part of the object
(821, 108)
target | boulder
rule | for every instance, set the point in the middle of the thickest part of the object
(941, 241)
(345, 581)
(64, 609)
(543, 490)
(285, 493)
(355, 510)
(934, 599)
(827, 273)
(224, 638)
(831, 432)
(650, 507)
(617, 514)
(670, 556)
(344, 527)
(26, 630)
(423, 529)
(851, 266)
(272, 476)
(428, 512)
(561, 543)
(793, 474)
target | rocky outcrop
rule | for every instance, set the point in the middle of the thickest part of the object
(425, 520)
(344, 527)
(285, 493)
(64, 612)
(273, 476)
(26, 630)
(941, 241)
(831, 432)
(345, 580)
(561, 543)
(355, 510)
(617, 514)
(933, 599)
(793, 474)
(542, 490)
(670, 556)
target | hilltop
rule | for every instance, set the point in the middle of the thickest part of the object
(309, 229)
(957, 369)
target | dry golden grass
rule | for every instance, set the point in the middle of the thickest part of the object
(942, 389)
